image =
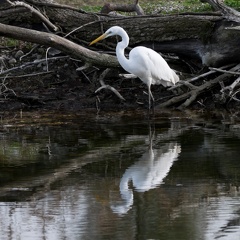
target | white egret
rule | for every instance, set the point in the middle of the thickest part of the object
(143, 62)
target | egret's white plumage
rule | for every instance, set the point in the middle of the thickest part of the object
(143, 62)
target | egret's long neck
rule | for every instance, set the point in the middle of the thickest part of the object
(120, 50)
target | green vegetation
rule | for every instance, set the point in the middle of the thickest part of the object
(233, 3)
(156, 6)
(153, 6)
(167, 7)
(13, 43)
(164, 7)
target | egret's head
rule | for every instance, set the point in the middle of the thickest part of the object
(110, 32)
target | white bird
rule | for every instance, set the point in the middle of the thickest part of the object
(143, 62)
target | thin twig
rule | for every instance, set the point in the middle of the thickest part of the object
(224, 71)
(30, 64)
(198, 77)
(28, 53)
(4, 89)
(27, 75)
(231, 87)
(233, 96)
(76, 29)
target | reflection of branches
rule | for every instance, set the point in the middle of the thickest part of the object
(41, 184)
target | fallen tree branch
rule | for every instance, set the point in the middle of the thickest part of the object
(227, 92)
(212, 70)
(190, 96)
(59, 43)
(224, 71)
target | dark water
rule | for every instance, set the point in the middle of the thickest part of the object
(117, 178)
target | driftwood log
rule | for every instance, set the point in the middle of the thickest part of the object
(205, 38)
(210, 39)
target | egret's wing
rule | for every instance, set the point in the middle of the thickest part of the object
(160, 71)
(149, 64)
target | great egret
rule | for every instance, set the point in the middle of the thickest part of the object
(143, 62)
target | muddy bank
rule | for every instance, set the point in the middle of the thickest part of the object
(34, 83)
(30, 82)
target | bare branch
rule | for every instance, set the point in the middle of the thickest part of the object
(190, 96)
(213, 70)
(28, 64)
(227, 91)
(223, 71)
(59, 43)
(4, 89)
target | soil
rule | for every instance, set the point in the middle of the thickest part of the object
(28, 85)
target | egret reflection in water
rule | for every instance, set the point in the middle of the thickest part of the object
(147, 173)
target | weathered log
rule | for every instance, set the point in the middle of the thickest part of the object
(60, 43)
(194, 37)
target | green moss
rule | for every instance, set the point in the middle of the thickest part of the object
(166, 7)
(13, 43)
(8, 42)
(156, 6)
(233, 3)
(92, 8)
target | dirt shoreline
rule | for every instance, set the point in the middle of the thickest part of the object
(34, 84)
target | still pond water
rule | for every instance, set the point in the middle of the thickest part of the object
(119, 177)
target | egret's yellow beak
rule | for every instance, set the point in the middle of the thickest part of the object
(98, 39)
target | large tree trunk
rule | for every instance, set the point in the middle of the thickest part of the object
(194, 37)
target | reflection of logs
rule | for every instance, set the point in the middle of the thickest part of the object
(37, 186)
